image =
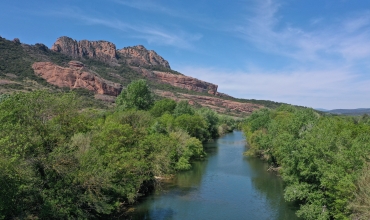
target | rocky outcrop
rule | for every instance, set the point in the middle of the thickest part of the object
(16, 41)
(140, 56)
(181, 81)
(101, 50)
(143, 61)
(75, 76)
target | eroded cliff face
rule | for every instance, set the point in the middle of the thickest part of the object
(75, 76)
(101, 50)
(140, 56)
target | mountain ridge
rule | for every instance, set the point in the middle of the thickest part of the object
(77, 64)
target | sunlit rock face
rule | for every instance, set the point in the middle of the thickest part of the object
(101, 50)
(140, 56)
(75, 76)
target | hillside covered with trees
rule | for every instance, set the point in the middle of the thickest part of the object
(323, 159)
(62, 158)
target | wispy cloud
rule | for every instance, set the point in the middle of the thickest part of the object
(314, 88)
(149, 6)
(196, 18)
(347, 38)
(152, 33)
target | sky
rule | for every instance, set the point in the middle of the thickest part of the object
(311, 53)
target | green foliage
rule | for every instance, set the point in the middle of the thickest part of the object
(212, 121)
(320, 156)
(34, 126)
(163, 106)
(226, 124)
(58, 160)
(15, 60)
(183, 108)
(137, 95)
(195, 125)
(361, 203)
(3, 97)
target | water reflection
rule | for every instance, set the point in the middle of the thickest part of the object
(226, 185)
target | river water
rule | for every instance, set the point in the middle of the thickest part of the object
(226, 185)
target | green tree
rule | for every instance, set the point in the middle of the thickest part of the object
(195, 125)
(361, 203)
(212, 121)
(162, 106)
(137, 95)
(182, 108)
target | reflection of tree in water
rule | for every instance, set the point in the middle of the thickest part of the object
(271, 186)
(152, 214)
(181, 185)
(191, 178)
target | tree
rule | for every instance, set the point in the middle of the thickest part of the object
(195, 125)
(163, 106)
(212, 120)
(137, 95)
(183, 108)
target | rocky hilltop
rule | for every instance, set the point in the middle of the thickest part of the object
(106, 51)
(102, 50)
(140, 56)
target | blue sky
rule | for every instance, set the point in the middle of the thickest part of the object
(312, 53)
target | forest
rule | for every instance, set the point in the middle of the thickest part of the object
(62, 157)
(323, 159)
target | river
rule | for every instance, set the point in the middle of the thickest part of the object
(226, 185)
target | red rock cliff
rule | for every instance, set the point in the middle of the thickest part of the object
(101, 50)
(140, 56)
(76, 76)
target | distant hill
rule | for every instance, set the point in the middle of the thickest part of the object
(321, 109)
(98, 69)
(358, 111)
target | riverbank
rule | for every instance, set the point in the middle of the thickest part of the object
(322, 159)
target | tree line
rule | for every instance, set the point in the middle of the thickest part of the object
(62, 160)
(323, 159)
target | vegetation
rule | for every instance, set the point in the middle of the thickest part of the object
(14, 60)
(322, 159)
(136, 96)
(61, 159)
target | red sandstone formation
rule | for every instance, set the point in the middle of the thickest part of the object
(140, 56)
(101, 50)
(76, 76)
